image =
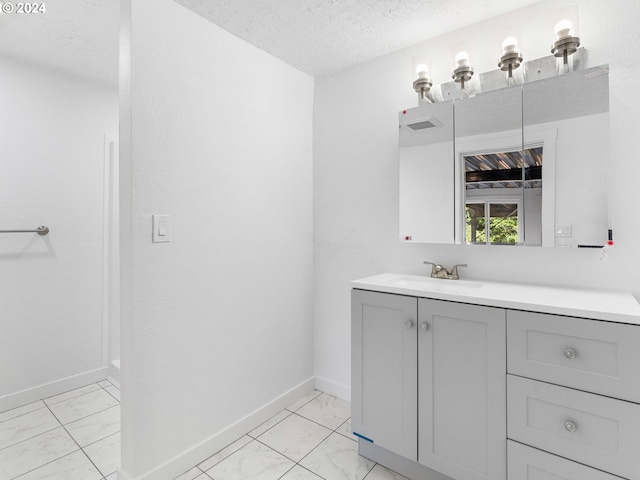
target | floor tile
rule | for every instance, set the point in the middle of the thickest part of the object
(254, 461)
(75, 466)
(224, 453)
(26, 426)
(95, 427)
(381, 473)
(105, 454)
(82, 406)
(71, 393)
(304, 400)
(35, 452)
(300, 473)
(326, 410)
(105, 383)
(345, 429)
(114, 392)
(294, 437)
(16, 412)
(277, 418)
(337, 458)
(192, 474)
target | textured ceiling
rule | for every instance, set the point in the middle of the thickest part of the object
(316, 36)
(323, 36)
(77, 36)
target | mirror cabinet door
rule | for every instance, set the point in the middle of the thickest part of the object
(490, 169)
(566, 122)
(426, 174)
(527, 165)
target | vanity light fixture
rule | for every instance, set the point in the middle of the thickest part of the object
(463, 71)
(566, 43)
(511, 57)
(423, 83)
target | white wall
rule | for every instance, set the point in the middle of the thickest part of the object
(356, 173)
(218, 323)
(51, 173)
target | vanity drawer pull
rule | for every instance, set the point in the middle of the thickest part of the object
(424, 327)
(408, 324)
(570, 426)
(570, 353)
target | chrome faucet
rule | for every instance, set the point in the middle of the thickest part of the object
(438, 271)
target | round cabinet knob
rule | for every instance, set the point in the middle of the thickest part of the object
(424, 327)
(408, 324)
(570, 353)
(569, 426)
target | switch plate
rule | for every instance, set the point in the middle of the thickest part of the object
(161, 229)
(563, 230)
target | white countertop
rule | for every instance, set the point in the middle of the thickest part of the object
(611, 305)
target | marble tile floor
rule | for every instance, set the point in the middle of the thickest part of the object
(71, 436)
(76, 436)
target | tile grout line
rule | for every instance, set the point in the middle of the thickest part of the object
(277, 423)
(22, 414)
(291, 412)
(318, 423)
(111, 385)
(75, 441)
(81, 418)
(91, 414)
(55, 459)
(95, 387)
(32, 437)
(44, 400)
(297, 463)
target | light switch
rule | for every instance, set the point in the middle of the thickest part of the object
(161, 229)
(563, 230)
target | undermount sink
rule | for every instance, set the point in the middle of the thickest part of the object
(433, 284)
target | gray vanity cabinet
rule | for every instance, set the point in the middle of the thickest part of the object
(526, 383)
(428, 382)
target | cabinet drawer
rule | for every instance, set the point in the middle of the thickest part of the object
(597, 431)
(526, 463)
(591, 355)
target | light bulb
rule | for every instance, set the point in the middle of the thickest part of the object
(422, 71)
(563, 29)
(510, 45)
(462, 59)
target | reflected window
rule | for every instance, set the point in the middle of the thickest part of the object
(493, 223)
(496, 185)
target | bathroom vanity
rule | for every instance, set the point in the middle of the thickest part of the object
(474, 380)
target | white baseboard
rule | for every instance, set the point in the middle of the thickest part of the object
(29, 395)
(200, 452)
(121, 475)
(114, 373)
(333, 388)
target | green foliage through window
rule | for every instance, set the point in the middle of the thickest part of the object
(503, 223)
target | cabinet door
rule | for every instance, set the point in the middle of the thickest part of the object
(384, 370)
(462, 391)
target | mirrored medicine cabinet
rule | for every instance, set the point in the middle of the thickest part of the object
(521, 165)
